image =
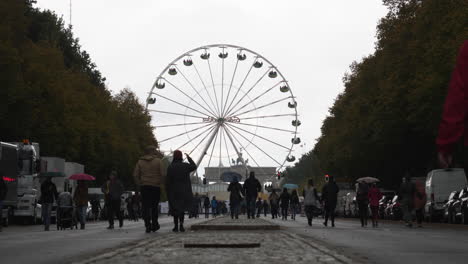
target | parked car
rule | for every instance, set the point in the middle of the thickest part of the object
(460, 207)
(449, 213)
(439, 185)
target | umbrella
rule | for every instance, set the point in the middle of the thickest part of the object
(51, 174)
(290, 186)
(82, 177)
(229, 176)
(368, 180)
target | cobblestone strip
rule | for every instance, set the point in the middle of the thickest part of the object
(276, 247)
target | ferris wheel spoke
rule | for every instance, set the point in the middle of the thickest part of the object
(239, 88)
(251, 88)
(256, 98)
(225, 144)
(184, 133)
(230, 86)
(220, 145)
(214, 88)
(267, 116)
(212, 149)
(203, 139)
(211, 111)
(265, 105)
(174, 113)
(204, 85)
(222, 85)
(255, 145)
(175, 102)
(246, 151)
(197, 136)
(186, 95)
(253, 134)
(267, 127)
(182, 124)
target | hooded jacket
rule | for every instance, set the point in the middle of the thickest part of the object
(150, 170)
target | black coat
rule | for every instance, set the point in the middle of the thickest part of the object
(236, 193)
(252, 187)
(48, 192)
(284, 198)
(179, 187)
(330, 194)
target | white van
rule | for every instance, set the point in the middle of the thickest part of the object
(439, 185)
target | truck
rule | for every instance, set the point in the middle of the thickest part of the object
(20, 163)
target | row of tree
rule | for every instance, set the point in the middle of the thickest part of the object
(385, 122)
(52, 93)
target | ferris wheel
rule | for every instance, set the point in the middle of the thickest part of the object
(225, 105)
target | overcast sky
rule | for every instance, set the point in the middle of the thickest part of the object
(311, 42)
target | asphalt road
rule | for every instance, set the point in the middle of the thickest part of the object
(30, 244)
(390, 243)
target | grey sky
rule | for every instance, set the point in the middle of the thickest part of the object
(311, 42)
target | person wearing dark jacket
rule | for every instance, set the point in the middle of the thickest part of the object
(362, 198)
(284, 200)
(179, 188)
(251, 189)
(294, 204)
(235, 198)
(3, 193)
(48, 195)
(406, 196)
(453, 126)
(80, 198)
(259, 206)
(149, 174)
(329, 198)
(265, 208)
(206, 206)
(112, 190)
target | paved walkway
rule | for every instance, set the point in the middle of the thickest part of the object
(226, 223)
(278, 246)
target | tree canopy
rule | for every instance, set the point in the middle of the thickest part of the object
(385, 121)
(52, 93)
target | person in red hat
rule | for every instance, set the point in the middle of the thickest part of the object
(453, 125)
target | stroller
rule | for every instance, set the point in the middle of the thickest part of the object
(66, 218)
(66, 213)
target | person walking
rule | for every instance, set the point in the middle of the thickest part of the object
(362, 198)
(310, 200)
(136, 204)
(329, 198)
(214, 206)
(273, 198)
(251, 189)
(406, 196)
(149, 174)
(3, 193)
(112, 190)
(258, 206)
(48, 195)
(235, 197)
(453, 126)
(420, 200)
(265, 208)
(374, 197)
(294, 204)
(284, 200)
(80, 198)
(179, 188)
(206, 206)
